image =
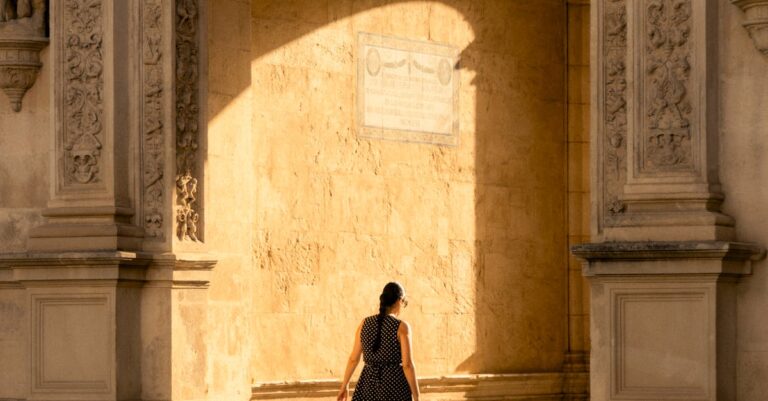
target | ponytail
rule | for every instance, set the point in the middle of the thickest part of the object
(391, 293)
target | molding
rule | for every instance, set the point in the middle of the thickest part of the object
(663, 250)
(23, 269)
(756, 22)
(539, 386)
(685, 260)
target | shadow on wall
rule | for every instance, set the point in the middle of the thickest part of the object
(519, 247)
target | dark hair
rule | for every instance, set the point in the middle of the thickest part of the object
(389, 295)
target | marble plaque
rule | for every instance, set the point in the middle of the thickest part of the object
(407, 90)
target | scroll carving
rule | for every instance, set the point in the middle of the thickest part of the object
(153, 140)
(83, 82)
(667, 141)
(615, 106)
(187, 118)
(22, 36)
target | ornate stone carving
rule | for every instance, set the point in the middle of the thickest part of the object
(153, 138)
(22, 36)
(186, 216)
(667, 132)
(83, 83)
(756, 22)
(187, 117)
(615, 107)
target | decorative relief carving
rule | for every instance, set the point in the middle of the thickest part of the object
(756, 22)
(22, 36)
(186, 216)
(187, 117)
(153, 138)
(615, 106)
(667, 131)
(83, 86)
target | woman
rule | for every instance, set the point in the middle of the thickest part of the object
(385, 344)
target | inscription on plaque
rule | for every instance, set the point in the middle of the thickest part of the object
(407, 90)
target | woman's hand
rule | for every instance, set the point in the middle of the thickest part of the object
(343, 394)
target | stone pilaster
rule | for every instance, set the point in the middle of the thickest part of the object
(119, 267)
(91, 205)
(664, 318)
(657, 115)
(665, 262)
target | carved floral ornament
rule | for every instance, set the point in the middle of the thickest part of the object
(756, 22)
(22, 36)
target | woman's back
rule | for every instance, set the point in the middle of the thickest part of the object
(389, 348)
(382, 378)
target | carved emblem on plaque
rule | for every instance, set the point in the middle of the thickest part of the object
(407, 90)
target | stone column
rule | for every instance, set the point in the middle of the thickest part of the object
(665, 259)
(91, 204)
(119, 268)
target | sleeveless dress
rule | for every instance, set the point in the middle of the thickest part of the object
(382, 378)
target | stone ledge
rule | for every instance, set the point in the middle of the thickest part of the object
(523, 386)
(668, 258)
(658, 250)
(164, 270)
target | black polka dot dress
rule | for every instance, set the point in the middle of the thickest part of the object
(382, 378)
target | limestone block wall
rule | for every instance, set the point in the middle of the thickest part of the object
(225, 332)
(477, 233)
(744, 172)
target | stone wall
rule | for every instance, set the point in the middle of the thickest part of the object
(24, 144)
(744, 172)
(476, 233)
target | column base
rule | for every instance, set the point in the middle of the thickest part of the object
(103, 325)
(663, 318)
(86, 229)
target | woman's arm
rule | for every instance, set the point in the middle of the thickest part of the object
(404, 335)
(354, 359)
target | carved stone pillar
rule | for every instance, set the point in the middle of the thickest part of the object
(91, 179)
(657, 94)
(665, 262)
(119, 267)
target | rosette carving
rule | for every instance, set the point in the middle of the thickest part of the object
(22, 36)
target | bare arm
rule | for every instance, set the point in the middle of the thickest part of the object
(354, 359)
(404, 335)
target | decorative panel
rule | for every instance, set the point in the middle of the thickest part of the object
(153, 119)
(612, 110)
(661, 344)
(71, 343)
(188, 219)
(81, 93)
